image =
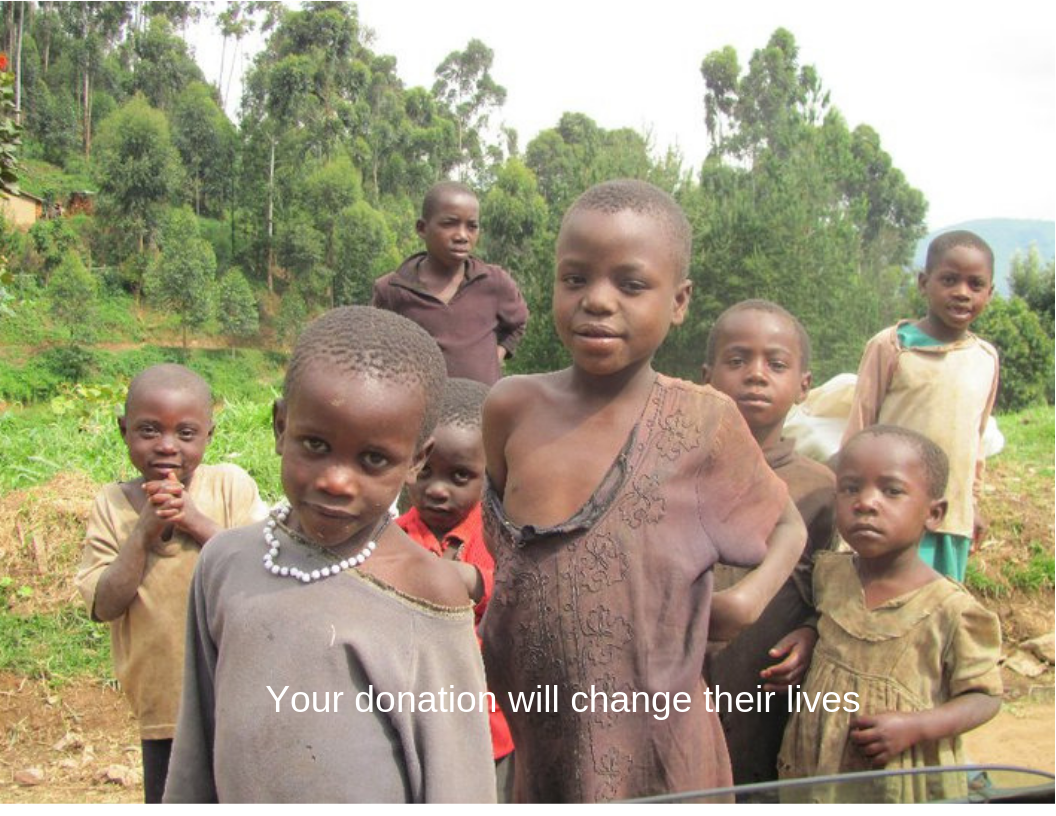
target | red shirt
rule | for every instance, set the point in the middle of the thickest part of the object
(470, 536)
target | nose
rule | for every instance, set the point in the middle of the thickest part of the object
(338, 480)
(755, 371)
(865, 501)
(166, 443)
(436, 491)
(598, 298)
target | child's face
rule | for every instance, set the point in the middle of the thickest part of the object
(451, 482)
(347, 444)
(167, 431)
(617, 290)
(958, 289)
(882, 501)
(757, 363)
(451, 232)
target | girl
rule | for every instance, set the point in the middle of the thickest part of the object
(911, 655)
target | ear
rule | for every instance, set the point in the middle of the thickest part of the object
(936, 513)
(705, 373)
(421, 456)
(122, 426)
(278, 423)
(419, 227)
(804, 386)
(209, 436)
(682, 296)
(922, 281)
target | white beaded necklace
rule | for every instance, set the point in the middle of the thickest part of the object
(278, 516)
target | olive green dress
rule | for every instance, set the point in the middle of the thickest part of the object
(911, 653)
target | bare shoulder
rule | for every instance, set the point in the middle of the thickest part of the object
(414, 571)
(510, 395)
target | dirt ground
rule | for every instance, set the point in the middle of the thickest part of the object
(78, 743)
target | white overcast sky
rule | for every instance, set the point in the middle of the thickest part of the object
(962, 93)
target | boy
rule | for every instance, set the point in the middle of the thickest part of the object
(445, 519)
(936, 377)
(759, 355)
(473, 310)
(612, 492)
(143, 540)
(321, 643)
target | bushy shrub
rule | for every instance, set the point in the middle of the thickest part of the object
(236, 308)
(1026, 353)
(73, 292)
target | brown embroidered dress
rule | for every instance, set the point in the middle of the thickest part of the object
(617, 599)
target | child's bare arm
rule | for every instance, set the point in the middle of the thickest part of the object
(496, 424)
(882, 737)
(793, 652)
(120, 581)
(740, 605)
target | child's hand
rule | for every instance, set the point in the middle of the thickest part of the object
(797, 647)
(979, 528)
(882, 737)
(163, 506)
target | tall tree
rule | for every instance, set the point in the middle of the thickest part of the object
(182, 276)
(138, 170)
(464, 83)
(207, 143)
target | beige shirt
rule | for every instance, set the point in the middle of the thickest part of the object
(147, 641)
(944, 392)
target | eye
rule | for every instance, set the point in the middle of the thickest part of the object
(893, 490)
(633, 286)
(847, 488)
(733, 362)
(949, 280)
(424, 473)
(572, 281)
(373, 460)
(461, 477)
(148, 431)
(977, 285)
(778, 365)
(315, 445)
(188, 434)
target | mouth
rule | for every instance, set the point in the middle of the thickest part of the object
(166, 467)
(333, 513)
(593, 331)
(865, 529)
(754, 400)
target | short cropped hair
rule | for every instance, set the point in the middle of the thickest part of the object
(171, 376)
(463, 403)
(936, 464)
(383, 345)
(437, 193)
(759, 305)
(642, 198)
(941, 244)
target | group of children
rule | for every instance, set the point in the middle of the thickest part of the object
(603, 532)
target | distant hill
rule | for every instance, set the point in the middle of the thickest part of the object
(1005, 236)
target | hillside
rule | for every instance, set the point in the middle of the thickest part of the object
(1006, 236)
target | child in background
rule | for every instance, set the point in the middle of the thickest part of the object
(612, 492)
(938, 378)
(473, 310)
(445, 519)
(143, 540)
(758, 354)
(329, 601)
(911, 654)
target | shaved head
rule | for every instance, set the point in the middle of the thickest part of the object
(169, 377)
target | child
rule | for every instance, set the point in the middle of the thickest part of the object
(329, 604)
(143, 540)
(445, 519)
(912, 656)
(759, 355)
(938, 378)
(473, 310)
(612, 492)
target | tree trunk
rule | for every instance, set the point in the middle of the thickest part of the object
(271, 222)
(18, 64)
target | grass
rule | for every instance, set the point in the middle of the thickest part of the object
(54, 647)
(1029, 440)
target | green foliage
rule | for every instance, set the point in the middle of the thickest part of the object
(10, 132)
(208, 145)
(236, 308)
(1036, 574)
(138, 170)
(73, 292)
(1036, 284)
(182, 277)
(364, 249)
(1026, 353)
(53, 239)
(52, 647)
(293, 314)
